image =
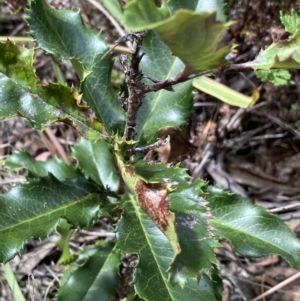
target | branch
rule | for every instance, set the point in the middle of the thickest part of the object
(137, 89)
(238, 67)
(147, 148)
(133, 80)
(179, 78)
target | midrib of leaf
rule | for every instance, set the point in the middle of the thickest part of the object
(49, 31)
(48, 213)
(241, 233)
(57, 111)
(80, 45)
(138, 213)
(106, 260)
(161, 65)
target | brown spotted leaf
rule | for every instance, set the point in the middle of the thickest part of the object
(191, 222)
(154, 200)
(136, 233)
(174, 208)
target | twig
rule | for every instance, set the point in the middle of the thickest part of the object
(56, 144)
(98, 234)
(283, 208)
(48, 289)
(179, 78)
(133, 79)
(278, 286)
(147, 148)
(155, 145)
(113, 21)
(278, 121)
(10, 181)
(238, 67)
(31, 282)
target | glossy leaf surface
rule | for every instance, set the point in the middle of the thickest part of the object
(57, 167)
(195, 37)
(195, 252)
(137, 233)
(62, 33)
(252, 230)
(173, 241)
(23, 95)
(33, 209)
(162, 109)
(96, 161)
(93, 276)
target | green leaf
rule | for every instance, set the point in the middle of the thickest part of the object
(276, 77)
(134, 297)
(137, 233)
(114, 7)
(93, 276)
(165, 196)
(194, 37)
(33, 209)
(142, 14)
(195, 238)
(57, 167)
(199, 6)
(172, 109)
(222, 92)
(97, 162)
(252, 230)
(150, 198)
(23, 95)
(62, 33)
(196, 254)
(290, 22)
(282, 55)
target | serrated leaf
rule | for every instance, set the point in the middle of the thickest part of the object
(22, 159)
(33, 209)
(291, 21)
(93, 276)
(252, 230)
(96, 161)
(62, 33)
(134, 298)
(152, 198)
(172, 109)
(276, 77)
(175, 207)
(195, 238)
(196, 255)
(136, 233)
(57, 167)
(281, 55)
(194, 37)
(23, 95)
